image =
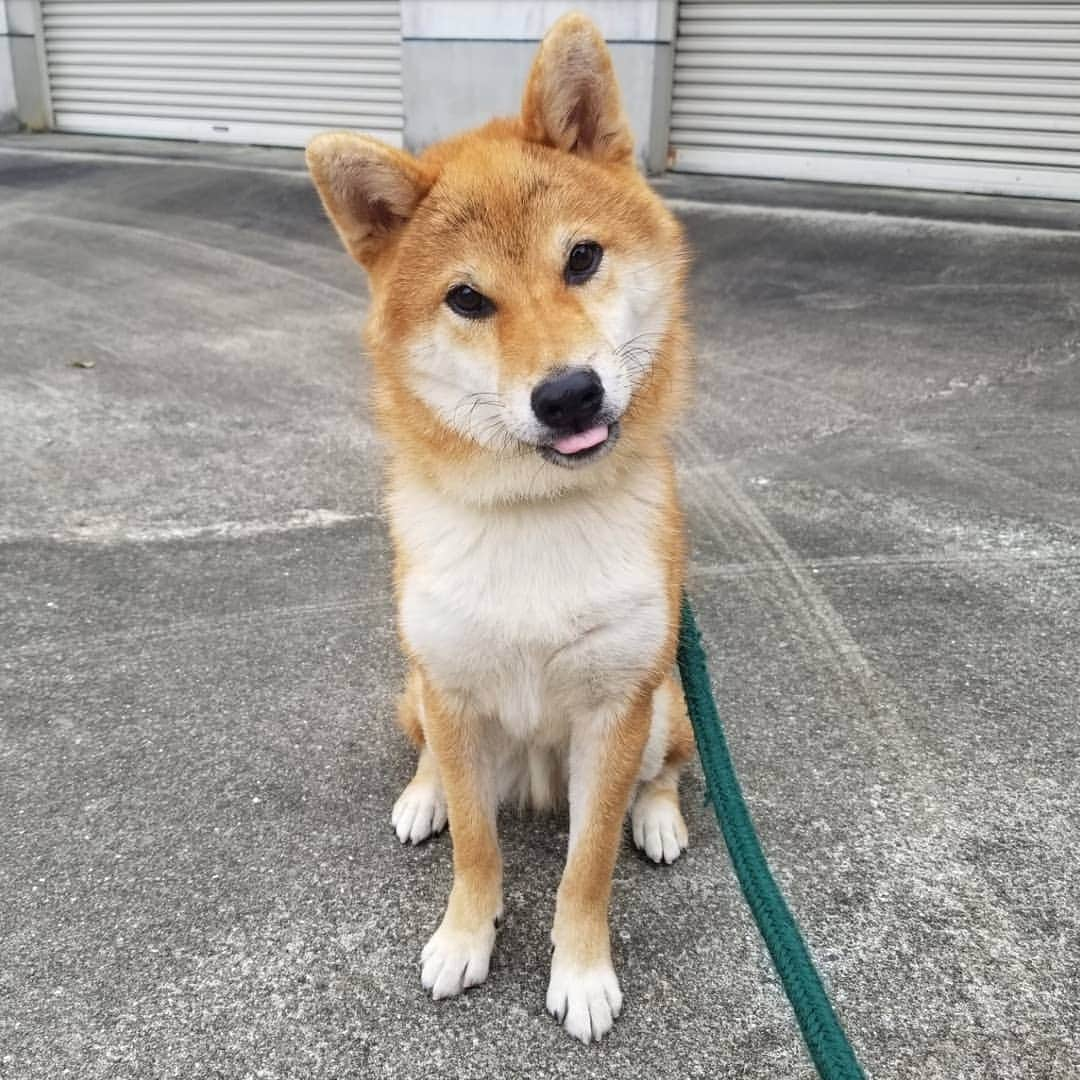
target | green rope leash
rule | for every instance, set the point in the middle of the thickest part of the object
(825, 1038)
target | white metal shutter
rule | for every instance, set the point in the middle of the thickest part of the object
(249, 71)
(981, 97)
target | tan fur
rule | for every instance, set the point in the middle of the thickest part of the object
(476, 900)
(680, 748)
(582, 907)
(408, 711)
(528, 674)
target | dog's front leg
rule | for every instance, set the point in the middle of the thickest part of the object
(457, 955)
(605, 760)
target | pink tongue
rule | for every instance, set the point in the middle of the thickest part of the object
(573, 444)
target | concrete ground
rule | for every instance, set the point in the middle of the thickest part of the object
(197, 765)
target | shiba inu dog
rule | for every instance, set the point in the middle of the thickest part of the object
(527, 331)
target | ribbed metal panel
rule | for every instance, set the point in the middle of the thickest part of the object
(966, 96)
(263, 71)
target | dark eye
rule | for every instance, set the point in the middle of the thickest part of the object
(583, 262)
(468, 303)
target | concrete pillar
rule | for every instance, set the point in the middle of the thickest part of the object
(24, 96)
(464, 61)
(9, 118)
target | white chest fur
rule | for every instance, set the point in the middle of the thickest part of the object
(537, 612)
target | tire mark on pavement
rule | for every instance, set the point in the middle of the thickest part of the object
(716, 500)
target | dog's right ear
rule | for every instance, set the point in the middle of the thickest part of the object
(369, 189)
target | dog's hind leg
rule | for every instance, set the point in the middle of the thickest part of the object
(656, 820)
(420, 810)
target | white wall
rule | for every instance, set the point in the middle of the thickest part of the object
(619, 20)
(465, 61)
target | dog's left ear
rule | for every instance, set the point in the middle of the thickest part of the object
(572, 98)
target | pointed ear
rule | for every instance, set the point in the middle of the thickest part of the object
(572, 99)
(369, 189)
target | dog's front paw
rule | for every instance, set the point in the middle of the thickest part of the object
(586, 1000)
(420, 811)
(453, 960)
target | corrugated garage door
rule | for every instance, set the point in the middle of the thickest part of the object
(251, 71)
(960, 96)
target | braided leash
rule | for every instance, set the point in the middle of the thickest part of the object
(825, 1038)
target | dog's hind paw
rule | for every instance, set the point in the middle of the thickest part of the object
(586, 1001)
(420, 811)
(658, 826)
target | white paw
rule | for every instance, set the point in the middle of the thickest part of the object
(454, 960)
(659, 829)
(585, 1000)
(420, 812)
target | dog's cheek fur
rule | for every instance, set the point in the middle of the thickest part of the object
(454, 371)
(631, 311)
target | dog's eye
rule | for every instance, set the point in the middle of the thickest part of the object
(468, 303)
(583, 262)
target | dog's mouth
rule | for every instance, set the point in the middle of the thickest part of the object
(581, 447)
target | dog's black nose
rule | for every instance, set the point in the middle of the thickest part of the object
(570, 401)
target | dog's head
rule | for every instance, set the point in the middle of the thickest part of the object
(526, 282)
